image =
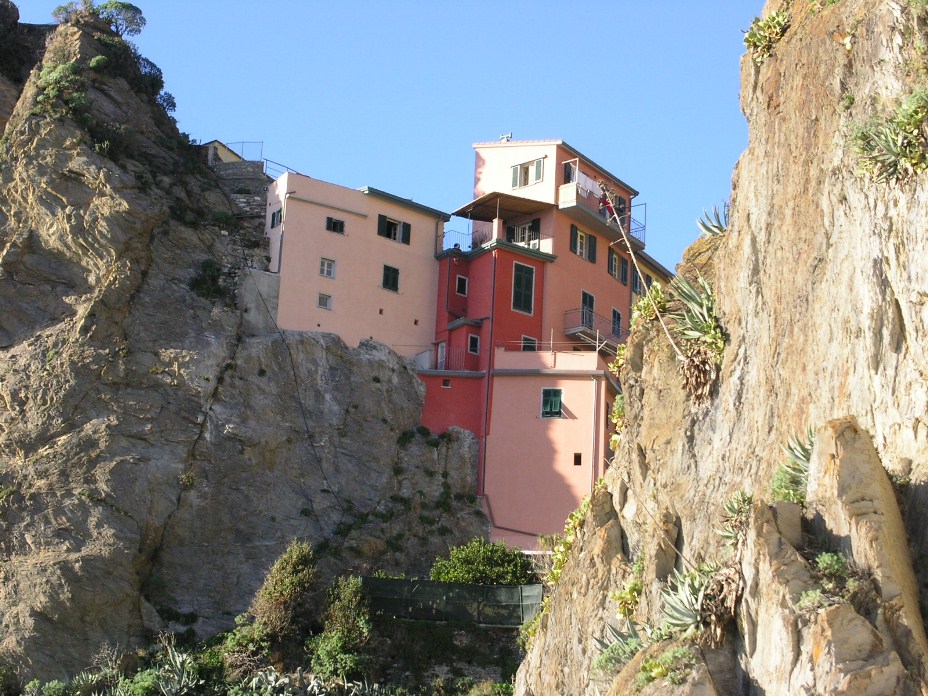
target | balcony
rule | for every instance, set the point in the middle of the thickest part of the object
(585, 205)
(593, 329)
(482, 233)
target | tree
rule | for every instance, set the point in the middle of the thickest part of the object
(482, 563)
(65, 13)
(125, 18)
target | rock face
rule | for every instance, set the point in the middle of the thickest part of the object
(822, 287)
(159, 446)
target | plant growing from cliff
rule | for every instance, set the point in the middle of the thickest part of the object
(483, 563)
(62, 90)
(207, 281)
(682, 601)
(695, 323)
(763, 35)
(628, 597)
(737, 512)
(833, 567)
(617, 648)
(792, 477)
(648, 306)
(716, 224)
(562, 544)
(280, 605)
(674, 664)
(123, 17)
(896, 147)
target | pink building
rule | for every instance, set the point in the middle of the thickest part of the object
(357, 263)
(532, 302)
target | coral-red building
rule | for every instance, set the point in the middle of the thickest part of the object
(533, 301)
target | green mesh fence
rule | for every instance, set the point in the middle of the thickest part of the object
(424, 600)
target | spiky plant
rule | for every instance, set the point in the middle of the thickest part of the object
(791, 479)
(682, 602)
(618, 647)
(696, 320)
(648, 305)
(714, 224)
(737, 511)
(896, 148)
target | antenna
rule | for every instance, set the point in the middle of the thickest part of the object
(506, 138)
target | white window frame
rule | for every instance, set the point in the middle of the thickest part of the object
(324, 301)
(327, 267)
(541, 410)
(473, 344)
(528, 173)
(457, 286)
(581, 244)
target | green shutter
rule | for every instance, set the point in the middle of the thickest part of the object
(382, 225)
(538, 169)
(591, 248)
(515, 177)
(611, 263)
(407, 232)
(510, 233)
(573, 239)
(535, 228)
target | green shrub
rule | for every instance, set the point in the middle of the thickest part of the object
(207, 282)
(144, 683)
(896, 147)
(618, 648)
(62, 90)
(673, 663)
(814, 600)
(561, 545)
(55, 688)
(483, 563)
(9, 683)
(280, 605)
(338, 650)
(98, 63)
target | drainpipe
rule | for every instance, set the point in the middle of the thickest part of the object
(593, 460)
(486, 404)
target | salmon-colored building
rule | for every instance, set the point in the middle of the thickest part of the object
(533, 301)
(357, 263)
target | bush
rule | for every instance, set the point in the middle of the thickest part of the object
(337, 651)
(280, 605)
(482, 563)
(207, 281)
(9, 684)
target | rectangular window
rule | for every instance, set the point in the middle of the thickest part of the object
(636, 282)
(393, 229)
(526, 235)
(613, 265)
(583, 244)
(277, 217)
(623, 276)
(461, 286)
(391, 278)
(616, 323)
(529, 344)
(325, 301)
(335, 225)
(523, 288)
(578, 459)
(528, 173)
(647, 281)
(550, 403)
(327, 268)
(473, 344)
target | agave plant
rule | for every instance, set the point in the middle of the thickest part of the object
(618, 647)
(737, 511)
(683, 601)
(697, 320)
(792, 477)
(715, 225)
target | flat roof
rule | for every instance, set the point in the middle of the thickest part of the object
(516, 143)
(500, 205)
(408, 202)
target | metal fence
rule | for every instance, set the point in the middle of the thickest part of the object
(424, 600)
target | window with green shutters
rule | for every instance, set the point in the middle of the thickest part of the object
(583, 244)
(623, 275)
(391, 278)
(527, 173)
(523, 288)
(394, 229)
(551, 403)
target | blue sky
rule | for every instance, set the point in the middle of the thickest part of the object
(393, 94)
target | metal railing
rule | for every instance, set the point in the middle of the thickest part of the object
(474, 239)
(588, 324)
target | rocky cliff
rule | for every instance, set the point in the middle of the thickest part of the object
(821, 284)
(159, 447)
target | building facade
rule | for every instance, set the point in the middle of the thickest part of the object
(357, 263)
(533, 301)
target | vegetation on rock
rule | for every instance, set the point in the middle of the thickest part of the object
(484, 563)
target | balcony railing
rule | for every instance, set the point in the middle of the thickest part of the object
(456, 359)
(593, 329)
(482, 234)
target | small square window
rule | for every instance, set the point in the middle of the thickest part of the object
(335, 225)
(446, 384)
(529, 344)
(391, 278)
(551, 403)
(461, 286)
(578, 459)
(327, 268)
(325, 301)
(473, 344)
